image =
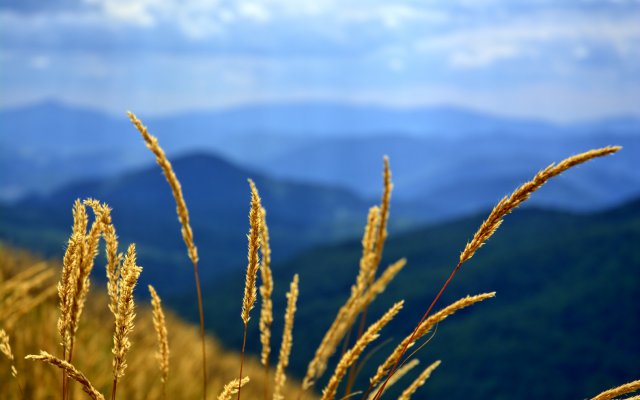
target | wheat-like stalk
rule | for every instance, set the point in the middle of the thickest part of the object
(253, 264)
(160, 325)
(287, 340)
(250, 292)
(11, 283)
(618, 391)
(508, 204)
(352, 355)
(343, 322)
(422, 330)
(80, 217)
(29, 304)
(18, 279)
(366, 273)
(384, 215)
(22, 294)
(114, 259)
(86, 252)
(231, 388)
(372, 260)
(362, 294)
(72, 284)
(266, 290)
(176, 189)
(125, 316)
(187, 233)
(400, 373)
(380, 284)
(89, 253)
(70, 271)
(70, 370)
(420, 380)
(5, 348)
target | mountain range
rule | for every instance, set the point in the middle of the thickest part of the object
(217, 194)
(447, 161)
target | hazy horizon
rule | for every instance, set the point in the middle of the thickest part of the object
(220, 109)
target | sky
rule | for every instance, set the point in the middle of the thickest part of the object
(561, 60)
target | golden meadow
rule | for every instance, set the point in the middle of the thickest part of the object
(97, 343)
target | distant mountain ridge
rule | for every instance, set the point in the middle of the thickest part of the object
(445, 160)
(218, 196)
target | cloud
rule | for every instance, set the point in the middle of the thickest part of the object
(173, 50)
(129, 12)
(535, 37)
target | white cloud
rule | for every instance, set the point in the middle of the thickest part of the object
(136, 13)
(254, 11)
(532, 36)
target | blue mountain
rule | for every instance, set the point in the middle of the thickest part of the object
(446, 161)
(217, 193)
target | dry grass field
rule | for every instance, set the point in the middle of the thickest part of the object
(31, 326)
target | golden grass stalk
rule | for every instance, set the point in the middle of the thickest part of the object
(17, 280)
(253, 264)
(618, 391)
(70, 370)
(187, 233)
(266, 290)
(495, 218)
(343, 322)
(22, 294)
(231, 388)
(408, 392)
(250, 292)
(20, 289)
(29, 304)
(176, 189)
(5, 348)
(114, 259)
(160, 325)
(380, 284)
(287, 340)
(86, 254)
(70, 270)
(74, 282)
(508, 204)
(80, 217)
(384, 215)
(375, 234)
(352, 355)
(125, 316)
(422, 330)
(372, 260)
(366, 273)
(400, 373)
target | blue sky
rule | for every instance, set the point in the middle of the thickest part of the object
(559, 60)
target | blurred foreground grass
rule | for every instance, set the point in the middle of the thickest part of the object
(32, 327)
